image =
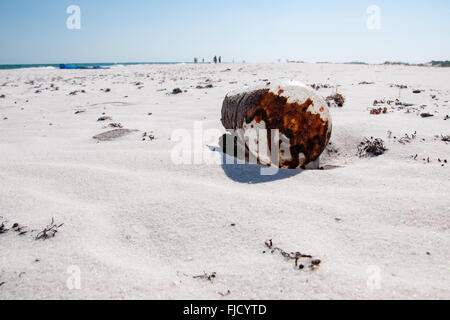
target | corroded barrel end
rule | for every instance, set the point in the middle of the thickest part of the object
(300, 115)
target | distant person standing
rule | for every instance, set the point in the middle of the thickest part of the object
(215, 59)
(203, 60)
(195, 60)
(220, 59)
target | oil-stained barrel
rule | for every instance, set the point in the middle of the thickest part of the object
(301, 116)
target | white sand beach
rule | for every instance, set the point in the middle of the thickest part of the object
(139, 226)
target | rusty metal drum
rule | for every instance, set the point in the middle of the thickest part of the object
(300, 115)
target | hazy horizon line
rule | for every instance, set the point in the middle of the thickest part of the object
(211, 62)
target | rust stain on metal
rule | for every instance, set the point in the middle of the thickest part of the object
(307, 132)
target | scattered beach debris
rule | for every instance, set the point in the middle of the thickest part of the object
(177, 91)
(296, 256)
(49, 231)
(208, 86)
(417, 91)
(399, 105)
(2, 96)
(80, 111)
(74, 93)
(400, 86)
(371, 147)
(427, 160)
(104, 118)
(378, 102)
(426, 115)
(377, 111)
(115, 125)
(365, 82)
(150, 137)
(206, 276)
(445, 138)
(21, 230)
(106, 90)
(3, 228)
(318, 86)
(337, 98)
(406, 138)
(395, 102)
(113, 134)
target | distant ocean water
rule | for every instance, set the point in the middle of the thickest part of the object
(104, 64)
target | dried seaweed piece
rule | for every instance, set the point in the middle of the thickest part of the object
(337, 98)
(377, 111)
(371, 148)
(3, 228)
(400, 86)
(206, 276)
(318, 86)
(49, 231)
(104, 118)
(292, 255)
(115, 125)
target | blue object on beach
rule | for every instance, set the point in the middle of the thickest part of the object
(72, 66)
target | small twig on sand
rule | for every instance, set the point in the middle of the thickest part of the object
(293, 255)
(49, 231)
(206, 276)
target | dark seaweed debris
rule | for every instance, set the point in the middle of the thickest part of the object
(337, 98)
(3, 228)
(371, 147)
(49, 231)
(21, 230)
(206, 276)
(376, 111)
(314, 263)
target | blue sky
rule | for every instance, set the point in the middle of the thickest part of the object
(35, 31)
